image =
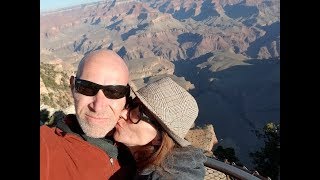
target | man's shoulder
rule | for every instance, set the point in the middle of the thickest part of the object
(49, 133)
(45, 130)
(48, 137)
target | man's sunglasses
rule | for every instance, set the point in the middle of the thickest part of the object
(89, 88)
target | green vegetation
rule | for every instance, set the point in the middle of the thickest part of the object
(48, 74)
(58, 94)
(48, 100)
(52, 120)
(267, 159)
(44, 115)
(226, 153)
(45, 99)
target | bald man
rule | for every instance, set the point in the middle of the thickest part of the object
(79, 147)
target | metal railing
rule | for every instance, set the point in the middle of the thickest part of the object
(233, 170)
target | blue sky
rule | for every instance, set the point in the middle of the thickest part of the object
(54, 4)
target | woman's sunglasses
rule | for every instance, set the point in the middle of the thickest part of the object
(89, 88)
(138, 112)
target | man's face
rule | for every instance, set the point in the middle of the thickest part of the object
(97, 114)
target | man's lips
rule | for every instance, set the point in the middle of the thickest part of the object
(94, 118)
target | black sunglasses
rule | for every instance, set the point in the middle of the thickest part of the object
(138, 112)
(89, 88)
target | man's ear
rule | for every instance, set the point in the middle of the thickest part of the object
(72, 83)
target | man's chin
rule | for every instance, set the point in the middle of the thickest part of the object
(94, 131)
(95, 134)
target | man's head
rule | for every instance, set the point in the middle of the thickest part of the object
(98, 110)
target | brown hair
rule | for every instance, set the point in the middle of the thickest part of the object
(154, 155)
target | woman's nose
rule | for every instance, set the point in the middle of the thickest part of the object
(124, 114)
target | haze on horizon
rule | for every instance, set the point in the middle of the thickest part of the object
(47, 5)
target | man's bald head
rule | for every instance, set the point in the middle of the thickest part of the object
(103, 58)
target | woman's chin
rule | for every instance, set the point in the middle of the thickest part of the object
(116, 136)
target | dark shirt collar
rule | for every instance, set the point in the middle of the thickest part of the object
(70, 125)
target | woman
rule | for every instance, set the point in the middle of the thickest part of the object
(153, 127)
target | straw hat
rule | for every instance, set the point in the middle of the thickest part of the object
(173, 107)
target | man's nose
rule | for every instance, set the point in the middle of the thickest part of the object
(100, 102)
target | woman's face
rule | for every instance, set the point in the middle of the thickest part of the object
(132, 134)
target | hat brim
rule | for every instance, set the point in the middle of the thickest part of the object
(182, 142)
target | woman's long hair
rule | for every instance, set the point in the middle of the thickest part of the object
(153, 154)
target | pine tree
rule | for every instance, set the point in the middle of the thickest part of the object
(226, 153)
(267, 159)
